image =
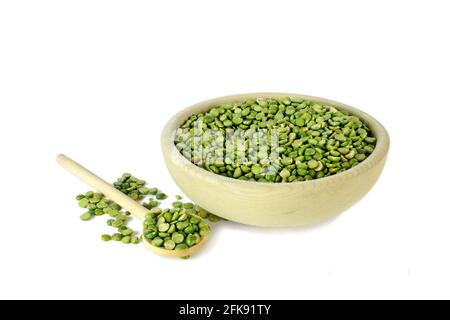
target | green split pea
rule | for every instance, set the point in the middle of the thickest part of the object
(177, 228)
(275, 140)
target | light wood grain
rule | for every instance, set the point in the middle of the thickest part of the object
(102, 186)
(270, 204)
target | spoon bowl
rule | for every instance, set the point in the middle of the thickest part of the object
(175, 253)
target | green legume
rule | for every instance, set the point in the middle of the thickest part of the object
(161, 196)
(126, 232)
(132, 186)
(126, 239)
(175, 228)
(115, 206)
(117, 237)
(213, 218)
(169, 244)
(181, 225)
(135, 240)
(312, 164)
(172, 229)
(84, 202)
(177, 237)
(86, 216)
(204, 232)
(309, 136)
(157, 242)
(285, 173)
(188, 205)
(144, 191)
(163, 227)
(106, 237)
(177, 204)
(167, 216)
(194, 220)
(155, 211)
(256, 169)
(191, 240)
(181, 246)
(203, 224)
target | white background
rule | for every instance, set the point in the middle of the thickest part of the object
(98, 79)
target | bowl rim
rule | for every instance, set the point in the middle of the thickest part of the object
(169, 149)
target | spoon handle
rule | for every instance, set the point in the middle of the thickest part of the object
(102, 186)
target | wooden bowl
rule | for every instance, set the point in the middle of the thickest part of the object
(273, 204)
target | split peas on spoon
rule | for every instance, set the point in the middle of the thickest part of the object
(144, 214)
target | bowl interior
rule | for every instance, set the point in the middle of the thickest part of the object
(168, 135)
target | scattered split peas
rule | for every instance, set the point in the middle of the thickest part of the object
(177, 228)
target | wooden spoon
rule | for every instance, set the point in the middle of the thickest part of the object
(125, 202)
